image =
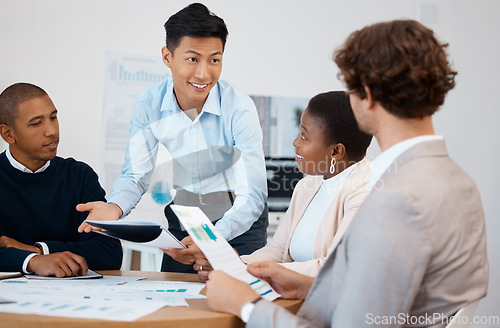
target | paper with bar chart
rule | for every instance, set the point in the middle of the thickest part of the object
(125, 76)
(108, 298)
(217, 250)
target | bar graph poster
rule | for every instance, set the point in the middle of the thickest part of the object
(125, 76)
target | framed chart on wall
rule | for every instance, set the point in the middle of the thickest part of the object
(280, 122)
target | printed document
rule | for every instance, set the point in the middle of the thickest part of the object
(217, 250)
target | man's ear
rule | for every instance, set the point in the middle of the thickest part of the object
(369, 97)
(7, 133)
(166, 55)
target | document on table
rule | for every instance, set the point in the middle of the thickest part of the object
(5, 300)
(143, 232)
(107, 298)
(66, 307)
(217, 250)
(5, 275)
(188, 290)
(90, 275)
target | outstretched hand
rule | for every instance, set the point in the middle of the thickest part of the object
(288, 283)
(64, 264)
(98, 211)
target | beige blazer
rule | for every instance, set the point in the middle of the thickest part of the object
(416, 250)
(332, 228)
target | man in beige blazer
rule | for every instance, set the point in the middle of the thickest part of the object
(416, 250)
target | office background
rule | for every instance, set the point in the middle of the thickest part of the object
(277, 48)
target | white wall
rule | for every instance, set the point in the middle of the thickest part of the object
(280, 48)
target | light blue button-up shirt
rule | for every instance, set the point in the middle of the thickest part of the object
(228, 119)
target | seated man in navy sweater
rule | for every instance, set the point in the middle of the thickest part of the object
(39, 193)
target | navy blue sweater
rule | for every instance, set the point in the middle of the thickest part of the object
(41, 207)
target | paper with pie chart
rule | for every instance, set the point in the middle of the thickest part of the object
(217, 250)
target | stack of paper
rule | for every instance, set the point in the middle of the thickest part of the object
(109, 298)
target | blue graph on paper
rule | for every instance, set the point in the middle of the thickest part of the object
(139, 76)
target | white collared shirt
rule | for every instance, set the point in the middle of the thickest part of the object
(385, 161)
(20, 166)
(24, 169)
(304, 236)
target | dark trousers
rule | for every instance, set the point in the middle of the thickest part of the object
(247, 243)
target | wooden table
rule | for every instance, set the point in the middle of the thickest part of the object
(198, 314)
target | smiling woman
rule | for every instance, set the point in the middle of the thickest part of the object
(330, 149)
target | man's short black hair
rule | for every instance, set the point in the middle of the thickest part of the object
(13, 96)
(194, 20)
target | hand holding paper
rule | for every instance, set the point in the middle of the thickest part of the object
(203, 266)
(144, 232)
(98, 211)
(227, 294)
(217, 250)
(187, 255)
(290, 284)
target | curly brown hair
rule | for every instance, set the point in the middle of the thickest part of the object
(403, 64)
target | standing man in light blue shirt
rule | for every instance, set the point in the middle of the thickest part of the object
(213, 133)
